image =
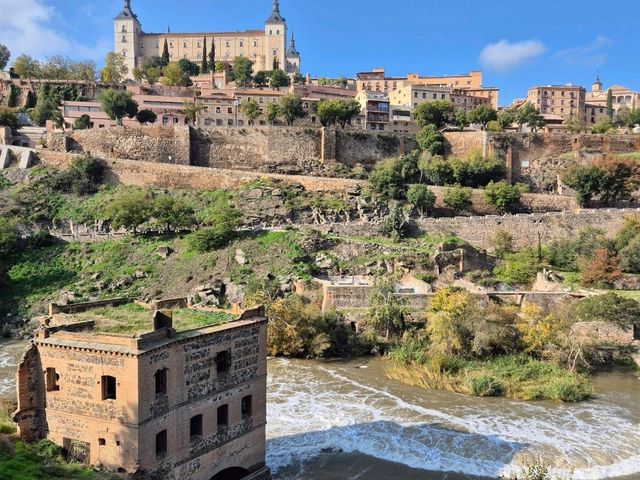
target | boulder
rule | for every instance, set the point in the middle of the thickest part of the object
(255, 194)
(164, 251)
(241, 258)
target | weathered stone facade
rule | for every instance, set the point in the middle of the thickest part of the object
(181, 405)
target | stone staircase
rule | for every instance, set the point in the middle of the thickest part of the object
(9, 155)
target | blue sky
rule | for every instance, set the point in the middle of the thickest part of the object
(516, 43)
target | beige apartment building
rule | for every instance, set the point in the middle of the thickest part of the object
(375, 108)
(471, 83)
(170, 403)
(264, 47)
(558, 101)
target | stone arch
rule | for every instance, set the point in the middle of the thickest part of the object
(232, 473)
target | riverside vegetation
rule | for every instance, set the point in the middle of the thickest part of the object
(469, 346)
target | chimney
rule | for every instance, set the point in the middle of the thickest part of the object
(162, 319)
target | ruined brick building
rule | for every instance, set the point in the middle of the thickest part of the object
(172, 404)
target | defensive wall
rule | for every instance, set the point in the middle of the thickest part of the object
(526, 229)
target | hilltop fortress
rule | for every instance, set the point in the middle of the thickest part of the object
(265, 47)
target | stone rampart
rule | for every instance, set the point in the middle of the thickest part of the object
(366, 148)
(156, 144)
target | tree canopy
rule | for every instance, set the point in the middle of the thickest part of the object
(118, 104)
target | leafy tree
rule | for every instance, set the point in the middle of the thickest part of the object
(565, 253)
(502, 243)
(298, 79)
(146, 116)
(537, 329)
(173, 214)
(272, 113)
(191, 110)
(608, 308)
(278, 79)
(447, 322)
(436, 113)
(219, 213)
(114, 69)
(8, 118)
(328, 111)
(174, 76)
(261, 79)
(476, 170)
(291, 108)
(155, 62)
(348, 110)
(505, 119)
(603, 126)
(633, 119)
(529, 115)
(430, 139)
(83, 122)
(421, 198)
(395, 224)
(602, 269)
(576, 124)
(504, 196)
(251, 110)
(204, 64)
(386, 179)
(482, 115)
(630, 229)
(458, 198)
(9, 235)
(609, 180)
(26, 67)
(436, 170)
(188, 67)
(242, 71)
(610, 110)
(5, 55)
(209, 239)
(46, 105)
(166, 58)
(518, 268)
(118, 104)
(333, 82)
(630, 256)
(461, 119)
(388, 311)
(130, 209)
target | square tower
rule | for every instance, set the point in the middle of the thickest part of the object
(127, 31)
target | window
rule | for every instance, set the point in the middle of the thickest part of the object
(246, 406)
(227, 44)
(52, 380)
(230, 124)
(102, 442)
(229, 109)
(175, 120)
(219, 122)
(255, 43)
(165, 120)
(195, 427)
(124, 29)
(124, 39)
(161, 381)
(435, 95)
(207, 122)
(223, 417)
(636, 331)
(161, 444)
(108, 387)
(241, 43)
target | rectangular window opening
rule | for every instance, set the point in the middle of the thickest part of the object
(223, 417)
(247, 406)
(161, 381)
(52, 380)
(108, 387)
(161, 444)
(223, 361)
(195, 427)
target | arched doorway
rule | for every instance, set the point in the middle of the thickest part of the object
(233, 473)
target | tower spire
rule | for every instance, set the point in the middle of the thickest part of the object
(276, 17)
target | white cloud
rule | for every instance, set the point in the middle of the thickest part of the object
(34, 28)
(592, 55)
(504, 56)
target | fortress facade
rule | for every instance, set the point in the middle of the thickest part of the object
(265, 47)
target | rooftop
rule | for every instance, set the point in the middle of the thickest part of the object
(133, 320)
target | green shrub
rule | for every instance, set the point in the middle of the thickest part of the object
(504, 196)
(421, 198)
(209, 239)
(458, 198)
(484, 386)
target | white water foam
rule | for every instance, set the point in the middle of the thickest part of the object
(311, 408)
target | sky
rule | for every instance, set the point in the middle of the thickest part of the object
(516, 43)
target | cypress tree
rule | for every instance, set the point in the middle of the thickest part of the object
(205, 64)
(212, 55)
(610, 104)
(165, 53)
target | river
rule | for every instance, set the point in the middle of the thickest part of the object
(345, 420)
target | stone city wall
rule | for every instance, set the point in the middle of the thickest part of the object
(368, 148)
